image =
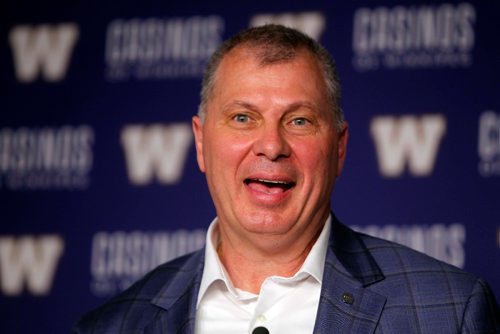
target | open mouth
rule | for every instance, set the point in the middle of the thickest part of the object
(269, 186)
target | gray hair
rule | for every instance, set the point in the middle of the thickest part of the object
(274, 44)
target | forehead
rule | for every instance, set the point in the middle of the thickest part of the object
(242, 80)
(246, 63)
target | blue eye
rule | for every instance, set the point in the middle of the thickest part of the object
(300, 121)
(241, 118)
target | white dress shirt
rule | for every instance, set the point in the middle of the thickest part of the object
(284, 305)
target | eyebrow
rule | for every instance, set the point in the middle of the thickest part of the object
(241, 104)
(250, 106)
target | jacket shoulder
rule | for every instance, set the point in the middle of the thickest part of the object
(418, 284)
(135, 305)
(394, 259)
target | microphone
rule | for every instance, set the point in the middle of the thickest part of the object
(260, 330)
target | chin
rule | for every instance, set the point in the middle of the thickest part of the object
(270, 223)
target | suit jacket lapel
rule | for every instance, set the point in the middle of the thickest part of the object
(346, 305)
(178, 298)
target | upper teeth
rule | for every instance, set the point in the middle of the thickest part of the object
(274, 182)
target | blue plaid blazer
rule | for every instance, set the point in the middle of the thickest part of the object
(369, 286)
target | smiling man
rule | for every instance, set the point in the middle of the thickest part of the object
(271, 139)
(268, 142)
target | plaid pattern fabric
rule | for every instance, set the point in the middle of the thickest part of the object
(370, 286)
(394, 289)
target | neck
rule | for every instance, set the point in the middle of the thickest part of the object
(249, 266)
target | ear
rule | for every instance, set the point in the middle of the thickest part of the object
(342, 147)
(198, 140)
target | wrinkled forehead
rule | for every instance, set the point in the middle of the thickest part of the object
(246, 60)
(243, 77)
(249, 56)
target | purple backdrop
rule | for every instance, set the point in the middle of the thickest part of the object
(98, 177)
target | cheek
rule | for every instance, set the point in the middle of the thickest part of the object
(224, 154)
(318, 159)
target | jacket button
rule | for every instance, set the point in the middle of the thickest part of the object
(347, 298)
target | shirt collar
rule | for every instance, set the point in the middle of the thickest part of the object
(214, 270)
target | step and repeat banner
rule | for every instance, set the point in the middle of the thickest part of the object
(98, 176)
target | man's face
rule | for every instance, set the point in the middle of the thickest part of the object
(269, 147)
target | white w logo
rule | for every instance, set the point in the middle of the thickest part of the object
(311, 23)
(31, 260)
(408, 141)
(156, 150)
(43, 48)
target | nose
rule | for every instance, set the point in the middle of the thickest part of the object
(271, 143)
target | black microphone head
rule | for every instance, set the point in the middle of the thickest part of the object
(260, 330)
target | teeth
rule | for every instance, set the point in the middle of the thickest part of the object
(272, 182)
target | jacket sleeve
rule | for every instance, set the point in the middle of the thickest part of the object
(481, 314)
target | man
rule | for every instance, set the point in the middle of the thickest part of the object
(271, 139)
